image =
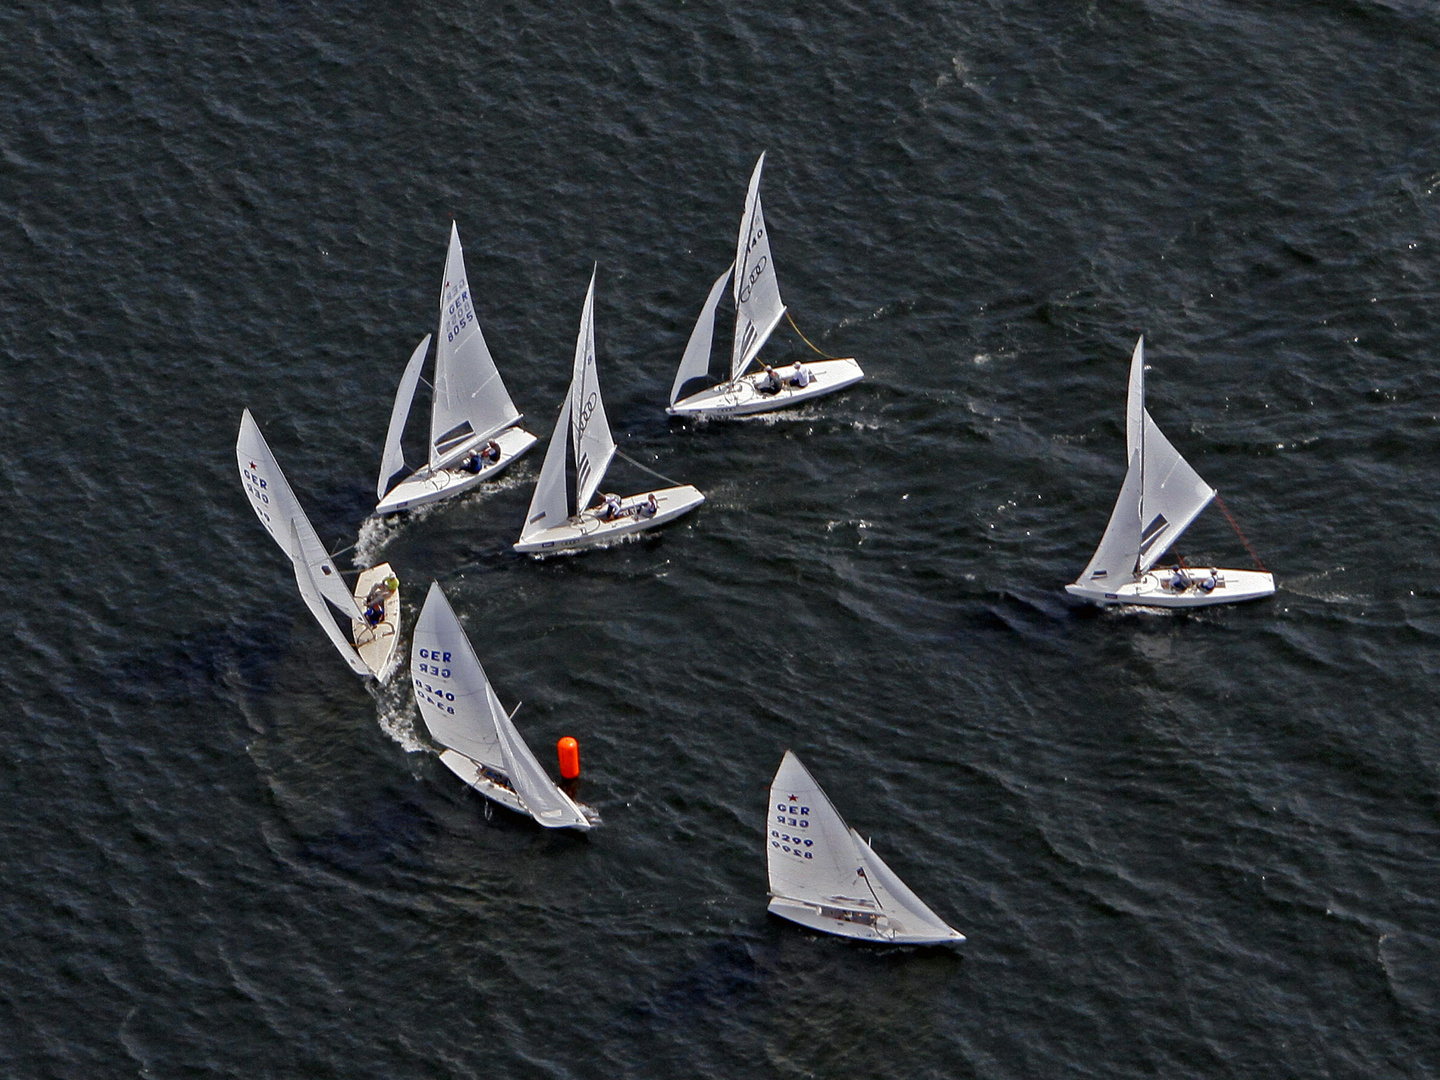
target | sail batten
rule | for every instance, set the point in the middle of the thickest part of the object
(468, 387)
(758, 307)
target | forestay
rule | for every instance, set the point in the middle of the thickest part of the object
(758, 307)
(393, 460)
(471, 402)
(454, 696)
(589, 429)
(279, 511)
(696, 361)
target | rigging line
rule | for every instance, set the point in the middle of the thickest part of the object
(342, 551)
(426, 383)
(803, 338)
(1236, 526)
(652, 472)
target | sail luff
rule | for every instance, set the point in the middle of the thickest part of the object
(696, 361)
(470, 402)
(758, 307)
(322, 571)
(590, 437)
(393, 458)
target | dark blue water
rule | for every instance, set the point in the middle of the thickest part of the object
(1180, 846)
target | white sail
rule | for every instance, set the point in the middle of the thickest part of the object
(455, 698)
(814, 858)
(1159, 499)
(471, 402)
(393, 459)
(1135, 402)
(1171, 497)
(589, 429)
(279, 511)
(547, 804)
(811, 855)
(696, 361)
(758, 307)
(310, 593)
(893, 894)
(548, 507)
(1114, 560)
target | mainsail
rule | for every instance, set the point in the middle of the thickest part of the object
(393, 459)
(696, 361)
(1159, 499)
(758, 307)
(589, 429)
(454, 696)
(461, 711)
(811, 855)
(471, 402)
(279, 511)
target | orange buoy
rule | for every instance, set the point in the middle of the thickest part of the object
(569, 751)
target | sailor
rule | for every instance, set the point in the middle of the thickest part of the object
(376, 597)
(490, 453)
(802, 376)
(611, 510)
(649, 508)
(1179, 581)
(771, 383)
(1207, 585)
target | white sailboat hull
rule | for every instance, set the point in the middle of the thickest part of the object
(1152, 589)
(743, 397)
(425, 486)
(495, 786)
(376, 644)
(587, 529)
(861, 925)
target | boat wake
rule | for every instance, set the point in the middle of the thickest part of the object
(395, 711)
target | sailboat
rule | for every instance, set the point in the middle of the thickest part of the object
(474, 426)
(371, 647)
(758, 310)
(549, 525)
(824, 876)
(1159, 499)
(463, 714)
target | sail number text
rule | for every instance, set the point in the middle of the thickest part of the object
(792, 817)
(436, 663)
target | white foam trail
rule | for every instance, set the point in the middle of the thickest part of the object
(395, 710)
